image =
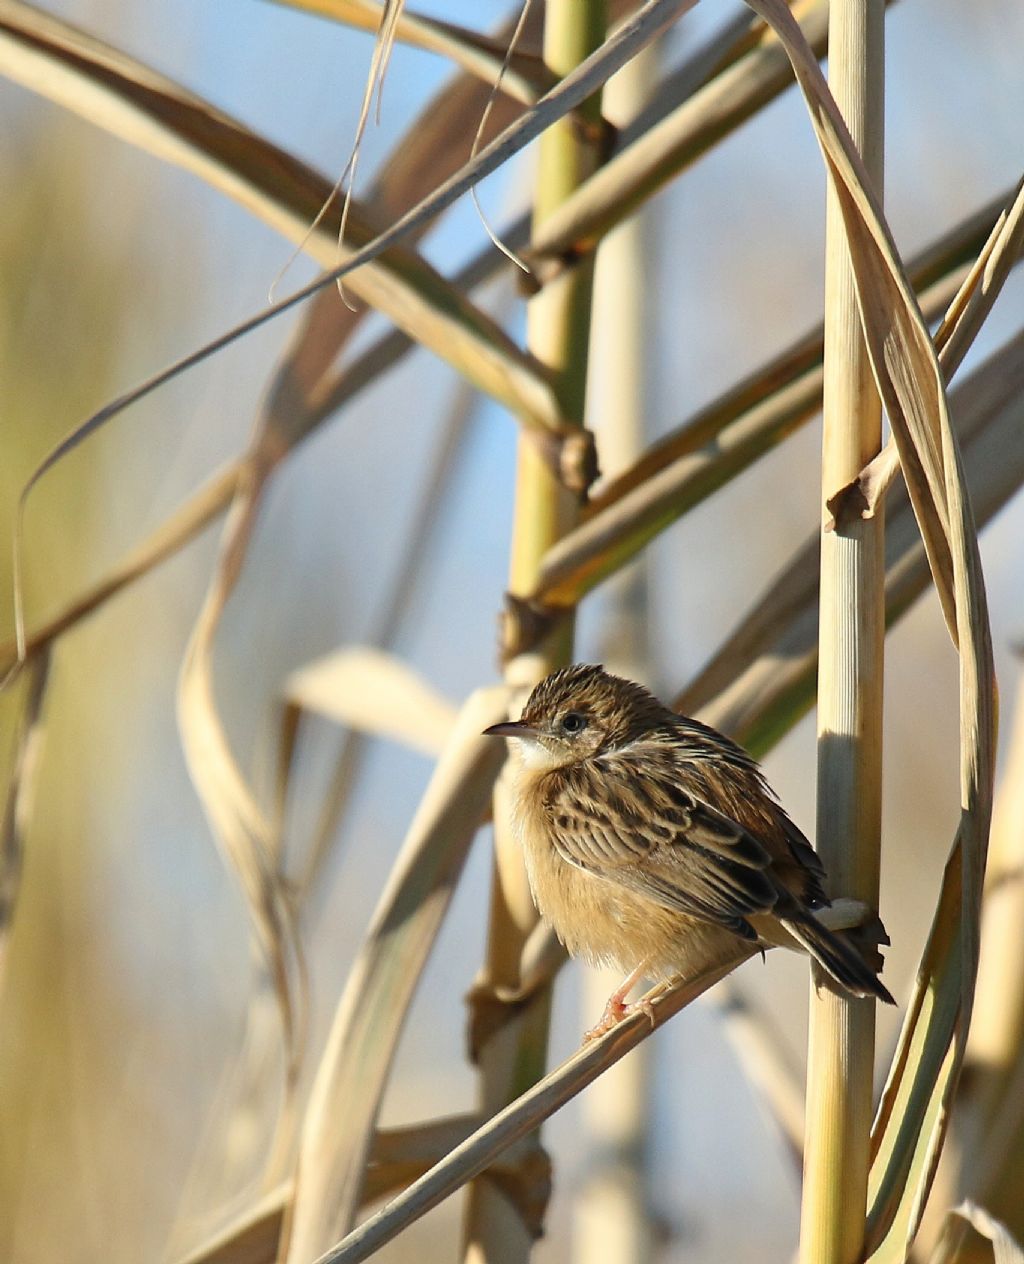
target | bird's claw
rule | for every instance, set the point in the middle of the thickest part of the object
(614, 1012)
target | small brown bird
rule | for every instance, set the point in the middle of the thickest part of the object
(652, 840)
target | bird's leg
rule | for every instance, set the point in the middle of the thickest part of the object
(617, 1009)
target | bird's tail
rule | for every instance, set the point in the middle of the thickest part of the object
(839, 957)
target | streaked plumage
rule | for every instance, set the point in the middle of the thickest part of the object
(651, 839)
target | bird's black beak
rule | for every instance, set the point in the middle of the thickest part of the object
(511, 728)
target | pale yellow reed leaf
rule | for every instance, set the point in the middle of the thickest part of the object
(953, 338)
(436, 143)
(389, 14)
(238, 822)
(1005, 1248)
(377, 693)
(901, 350)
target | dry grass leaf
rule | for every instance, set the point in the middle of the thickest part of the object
(901, 351)
(353, 1071)
(239, 824)
(953, 338)
(304, 389)
(377, 693)
(18, 796)
(389, 15)
(989, 1115)
(1005, 1248)
(969, 310)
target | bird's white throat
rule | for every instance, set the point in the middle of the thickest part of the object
(535, 756)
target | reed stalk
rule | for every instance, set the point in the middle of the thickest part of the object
(558, 334)
(851, 637)
(612, 1213)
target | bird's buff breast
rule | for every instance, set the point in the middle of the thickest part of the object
(599, 920)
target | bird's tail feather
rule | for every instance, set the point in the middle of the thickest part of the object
(838, 957)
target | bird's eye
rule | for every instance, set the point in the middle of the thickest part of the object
(573, 722)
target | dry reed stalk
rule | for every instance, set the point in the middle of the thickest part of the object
(851, 646)
(512, 1058)
(612, 1212)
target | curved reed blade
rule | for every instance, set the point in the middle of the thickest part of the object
(353, 1071)
(988, 1121)
(969, 1216)
(306, 386)
(238, 822)
(376, 693)
(953, 338)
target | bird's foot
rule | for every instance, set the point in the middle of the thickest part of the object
(614, 1012)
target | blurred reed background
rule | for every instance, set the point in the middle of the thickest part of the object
(147, 1102)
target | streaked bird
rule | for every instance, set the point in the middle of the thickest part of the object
(652, 841)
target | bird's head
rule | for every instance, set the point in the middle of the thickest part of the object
(580, 712)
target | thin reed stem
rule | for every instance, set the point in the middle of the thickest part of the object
(851, 637)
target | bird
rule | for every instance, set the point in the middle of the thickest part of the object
(653, 842)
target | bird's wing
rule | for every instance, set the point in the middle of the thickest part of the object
(807, 860)
(654, 837)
